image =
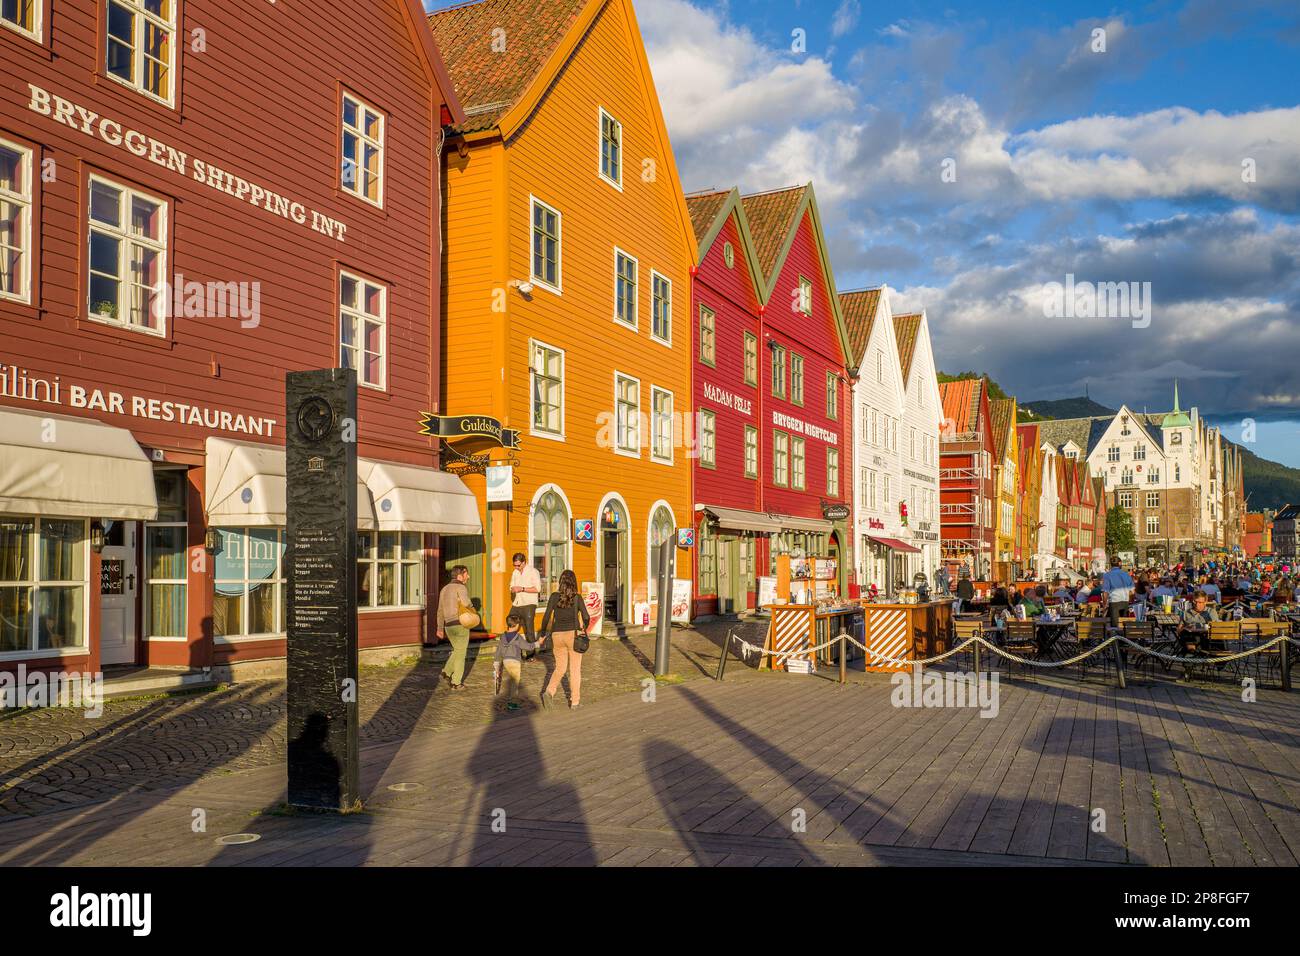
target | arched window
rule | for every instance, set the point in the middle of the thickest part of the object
(550, 540)
(661, 529)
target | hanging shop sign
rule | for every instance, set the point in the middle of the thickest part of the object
(584, 529)
(468, 426)
(685, 537)
(875, 524)
(500, 483)
(833, 512)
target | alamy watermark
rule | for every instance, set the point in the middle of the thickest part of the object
(20, 689)
(946, 689)
(1098, 300)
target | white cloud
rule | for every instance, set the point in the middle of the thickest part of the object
(846, 18)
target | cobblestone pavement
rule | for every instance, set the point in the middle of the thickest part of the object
(56, 758)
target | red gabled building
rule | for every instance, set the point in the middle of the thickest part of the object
(773, 476)
(967, 489)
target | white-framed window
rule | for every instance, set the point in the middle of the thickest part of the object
(23, 16)
(1140, 453)
(661, 308)
(661, 530)
(1126, 499)
(390, 569)
(832, 396)
(751, 358)
(545, 239)
(1153, 476)
(833, 472)
(15, 219)
(798, 463)
(127, 261)
(627, 404)
(780, 458)
(805, 296)
(863, 477)
(363, 150)
(884, 489)
(363, 329)
(140, 46)
(611, 149)
(872, 501)
(547, 389)
(778, 371)
(880, 367)
(1153, 499)
(551, 536)
(708, 336)
(1112, 453)
(661, 424)
(625, 281)
(248, 596)
(708, 439)
(1153, 524)
(44, 568)
(165, 557)
(911, 446)
(751, 451)
(796, 378)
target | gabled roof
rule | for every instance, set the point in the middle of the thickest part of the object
(774, 220)
(709, 212)
(906, 328)
(961, 403)
(490, 81)
(1003, 414)
(859, 310)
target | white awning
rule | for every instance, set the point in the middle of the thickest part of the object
(245, 486)
(795, 523)
(78, 467)
(737, 519)
(412, 498)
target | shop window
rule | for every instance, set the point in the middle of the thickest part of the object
(661, 529)
(363, 329)
(611, 149)
(22, 16)
(661, 427)
(627, 396)
(15, 220)
(363, 150)
(390, 569)
(43, 585)
(546, 245)
(548, 390)
(625, 268)
(140, 46)
(249, 583)
(661, 308)
(708, 439)
(550, 540)
(127, 261)
(708, 337)
(165, 551)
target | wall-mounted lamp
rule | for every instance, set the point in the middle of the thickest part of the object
(212, 541)
(96, 536)
(525, 288)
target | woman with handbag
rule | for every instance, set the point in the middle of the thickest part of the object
(456, 616)
(566, 622)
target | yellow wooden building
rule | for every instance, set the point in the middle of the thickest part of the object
(566, 288)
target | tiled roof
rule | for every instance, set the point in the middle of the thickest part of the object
(489, 81)
(961, 402)
(1002, 411)
(907, 329)
(859, 310)
(770, 217)
(704, 208)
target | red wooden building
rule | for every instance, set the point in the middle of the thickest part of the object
(777, 484)
(200, 196)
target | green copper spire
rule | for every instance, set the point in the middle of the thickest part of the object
(1177, 418)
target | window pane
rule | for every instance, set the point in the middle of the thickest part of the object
(166, 552)
(166, 610)
(61, 550)
(15, 618)
(261, 607)
(412, 583)
(15, 549)
(58, 613)
(387, 585)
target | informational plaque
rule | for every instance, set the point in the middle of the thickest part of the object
(321, 570)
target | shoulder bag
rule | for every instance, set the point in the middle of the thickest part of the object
(581, 640)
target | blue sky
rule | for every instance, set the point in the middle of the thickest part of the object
(1115, 165)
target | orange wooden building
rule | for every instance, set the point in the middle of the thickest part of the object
(566, 295)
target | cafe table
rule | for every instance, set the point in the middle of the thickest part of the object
(1048, 633)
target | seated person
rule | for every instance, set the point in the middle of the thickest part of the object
(1198, 616)
(1035, 602)
(1211, 590)
(999, 598)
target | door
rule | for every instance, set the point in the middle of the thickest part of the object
(612, 574)
(117, 590)
(726, 575)
(465, 549)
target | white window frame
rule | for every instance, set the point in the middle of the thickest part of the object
(363, 140)
(1153, 524)
(751, 442)
(712, 360)
(605, 114)
(137, 10)
(372, 561)
(38, 23)
(558, 286)
(798, 463)
(747, 339)
(780, 458)
(635, 324)
(125, 238)
(149, 580)
(533, 345)
(23, 198)
(358, 315)
(709, 447)
(619, 447)
(805, 295)
(655, 423)
(833, 471)
(668, 283)
(1153, 499)
(34, 582)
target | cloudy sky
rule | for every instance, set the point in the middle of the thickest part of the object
(969, 154)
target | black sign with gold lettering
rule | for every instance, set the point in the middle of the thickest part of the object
(468, 426)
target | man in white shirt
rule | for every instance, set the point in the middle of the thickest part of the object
(525, 589)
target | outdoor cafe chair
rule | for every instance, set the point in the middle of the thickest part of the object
(1224, 640)
(1021, 639)
(1270, 658)
(1139, 632)
(1088, 634)
(965, 627)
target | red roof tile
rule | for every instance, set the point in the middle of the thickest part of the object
(771, 216)
(859, 310)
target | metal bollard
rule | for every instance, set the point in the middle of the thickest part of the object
(843, 661)
(1284, 664)
(722, 660)
(1119, 666)
(977, 658)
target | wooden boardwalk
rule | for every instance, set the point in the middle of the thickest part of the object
(765, 770)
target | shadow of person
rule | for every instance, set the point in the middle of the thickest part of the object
(314, 771)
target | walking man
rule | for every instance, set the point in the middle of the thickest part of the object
(1118, 586)
(453, 598)
(525, 588)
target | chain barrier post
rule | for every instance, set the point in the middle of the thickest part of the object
(722, 660)
(1284, 663)
(977, 659)
(1119, 666)
(843, 661)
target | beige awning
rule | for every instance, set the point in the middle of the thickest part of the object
(245, 486)
(795, 523)
(76, 467)
(412, 498)
(737, 519)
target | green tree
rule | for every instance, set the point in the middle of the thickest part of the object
(1119, 532)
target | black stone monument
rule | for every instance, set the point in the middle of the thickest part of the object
(321, 572)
